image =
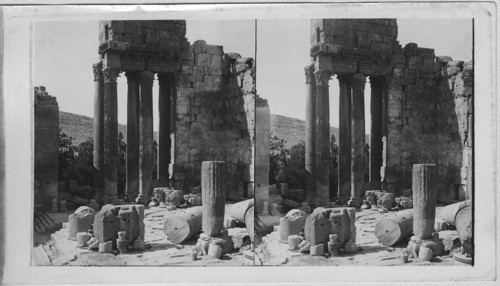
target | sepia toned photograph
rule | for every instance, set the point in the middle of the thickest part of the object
(370, 161)
(248, 143)
(143, 137)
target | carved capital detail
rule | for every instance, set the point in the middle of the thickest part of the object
(309, 70)
(110, 74)
(132, 76)
(358, 81)
(97, 71)
(322, 77)
(344, 78)
(146, 78)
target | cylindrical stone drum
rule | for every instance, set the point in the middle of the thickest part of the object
(214, 251)
(424, 199)
(79, 222)
(425, 253)
(213, 192)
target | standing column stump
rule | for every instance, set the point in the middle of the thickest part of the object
(424, 187)
(213, 195)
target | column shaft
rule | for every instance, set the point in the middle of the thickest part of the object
(133, 105)
(322, 170)
(310, 129)
(164, 143)
(357, 139)
(98, 152)
(110, 139)
(344, 168)
(376, 130)
(146, 140)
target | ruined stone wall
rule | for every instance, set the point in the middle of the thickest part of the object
(215, 117)
(46, 148)
(376, 35)
(428, 120)
(455, 115)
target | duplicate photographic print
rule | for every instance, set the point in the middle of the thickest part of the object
(248, 143)
(142, 141)
(370, 162)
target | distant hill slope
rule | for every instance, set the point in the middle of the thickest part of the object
(81, 127)
(292, 130)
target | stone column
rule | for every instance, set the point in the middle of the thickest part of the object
(98, 152)
(310, 129)
(213, 196)
(376, 145)
(357, 140)
(344, 168)
(322, 170)
(146, 138)
(110, 140)
(424, 199)
(164, 143)
(133, 106)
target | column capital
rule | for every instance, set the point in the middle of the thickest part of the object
(146, 78)
(344, 78)
(162, 77)
(309, 70)
(322, 77)
(358, 81)
(132, 75)
(97, 71)
(377, 80)
(110, 74)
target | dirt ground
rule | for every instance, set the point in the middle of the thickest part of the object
(370, 252)
(160, 251)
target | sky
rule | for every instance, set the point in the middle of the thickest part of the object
(65, 51)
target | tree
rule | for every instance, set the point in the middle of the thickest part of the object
(84, 163)
(277, 159)
(334, 163)
(295, 171)
(66, 156)
(122, 165)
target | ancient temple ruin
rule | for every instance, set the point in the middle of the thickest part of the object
(421, 111)
(206, 109)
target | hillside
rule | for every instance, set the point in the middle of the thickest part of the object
(292, 130)
(81, 127)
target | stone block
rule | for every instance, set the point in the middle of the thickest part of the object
(106, 247)
(173, 197)
(292, 224)
(82, 238)
(323, 222)
(80, 221)
(203, 60)
(411, 49)
(239, 236)
(294, 241)
(112, 219)
(443, 59)
(199, 47)
(425, 53)
(214, 50)
(317, 250)
(386, 201)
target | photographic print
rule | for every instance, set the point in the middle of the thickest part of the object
(143, 137)
(370, 160)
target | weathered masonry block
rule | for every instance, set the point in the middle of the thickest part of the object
(46, 148)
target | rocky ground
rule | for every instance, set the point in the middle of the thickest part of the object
(370, 252)
(59, 250)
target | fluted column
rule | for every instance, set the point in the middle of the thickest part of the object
(376, 145)
(98, 152)
(310, 128)
(357, 139)
(344, 168)
(322, 171)
(110, 141)
(146, 140)
(133, 105)
(164, 143)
